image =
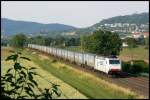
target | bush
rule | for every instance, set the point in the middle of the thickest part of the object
(126, 66)
(144, 65)
(138, 66)
(54, 61)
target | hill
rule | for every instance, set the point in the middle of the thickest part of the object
(142, 18)
(136, 19)
(11, 27)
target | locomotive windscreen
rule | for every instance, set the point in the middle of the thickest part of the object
(114, 62)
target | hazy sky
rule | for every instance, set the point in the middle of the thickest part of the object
(75, 13)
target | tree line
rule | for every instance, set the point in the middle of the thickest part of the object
(99, 42)
(58, 41)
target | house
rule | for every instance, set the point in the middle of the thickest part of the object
(124, 44)
(146, 34)
(136, 35)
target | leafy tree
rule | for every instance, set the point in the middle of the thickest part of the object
(48, 41)
(19, 82)
(59, 40)
(19, 40)
(39, 40)
(72, 41)
(31, 40)
(131, 42)
(83, 43)
(102, 42)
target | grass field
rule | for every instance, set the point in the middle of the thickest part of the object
(85, 83)
(139, 53)
(69, 91)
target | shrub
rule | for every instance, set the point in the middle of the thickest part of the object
(137, 67)
(143, 64)
(54, 61)
(126, 66)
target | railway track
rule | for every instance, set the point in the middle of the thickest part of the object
(134, 85)
(139, 85)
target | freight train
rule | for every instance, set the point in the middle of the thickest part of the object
(109, 65)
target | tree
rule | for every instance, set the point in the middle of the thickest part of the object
(131, 42)
(83, 43)
(48, 41)
(102, 42)
(39, 40)
(19, 40)
(72, 41)
(60, 40)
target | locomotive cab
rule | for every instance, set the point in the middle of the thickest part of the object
(108, 65)
(114, 66)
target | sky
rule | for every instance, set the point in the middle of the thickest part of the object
(76, 13)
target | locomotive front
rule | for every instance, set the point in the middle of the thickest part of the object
(110, 66)
(114, 65)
